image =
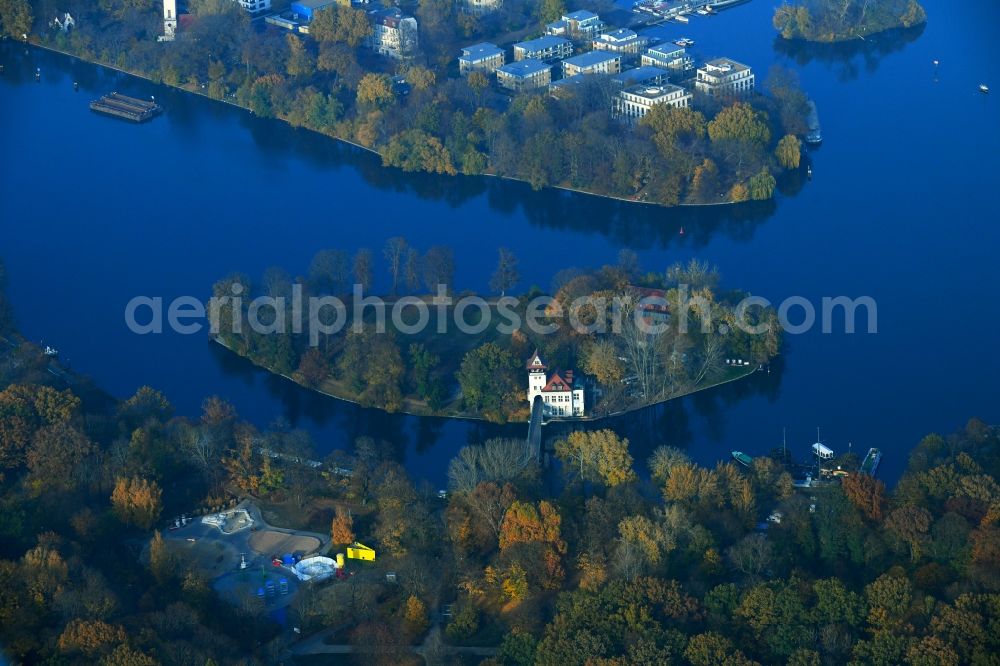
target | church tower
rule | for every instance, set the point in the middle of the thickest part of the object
(537, 377)
(169, 20)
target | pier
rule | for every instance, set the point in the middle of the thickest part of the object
(129, 108)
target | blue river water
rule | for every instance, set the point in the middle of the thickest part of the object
(95, 211)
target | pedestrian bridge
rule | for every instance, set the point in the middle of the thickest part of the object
(535, 428)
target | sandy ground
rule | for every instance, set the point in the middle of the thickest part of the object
(268, 542)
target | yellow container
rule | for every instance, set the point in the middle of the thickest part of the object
(359, 551)
(340, 560)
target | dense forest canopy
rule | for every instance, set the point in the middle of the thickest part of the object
(841, 20)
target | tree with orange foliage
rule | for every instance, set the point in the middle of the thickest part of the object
(89, 636)
(137, 501)
(866, 493)
(342, 529)
(523, 523)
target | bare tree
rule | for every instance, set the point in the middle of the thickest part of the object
(395, 252)
(495, 460)
(506, 275)
(751, 555)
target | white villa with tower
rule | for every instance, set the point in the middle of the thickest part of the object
(562, 394)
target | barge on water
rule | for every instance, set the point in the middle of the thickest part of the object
(128, 108)
(871, 461)
(815, 134)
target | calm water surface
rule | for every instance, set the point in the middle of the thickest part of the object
(94, 211)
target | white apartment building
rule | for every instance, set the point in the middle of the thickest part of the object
(723, 77)
(634, 102)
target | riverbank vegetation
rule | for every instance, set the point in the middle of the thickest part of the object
(690, 565)
(466, 361)
(837, 21)
(421, 116)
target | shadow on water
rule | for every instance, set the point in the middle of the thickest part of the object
(673, 423)
(849, 59)
(638, 226)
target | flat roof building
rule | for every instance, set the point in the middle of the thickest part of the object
(594, 62)
(646, 75)
(524, 75)
(723, 77)
(483, 57)
(583, 24)
(622, 40)
(306, 9)
(544, 48)
(634, 102)
(674, 58)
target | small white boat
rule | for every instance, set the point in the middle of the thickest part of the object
(682, 19)
(983, 88)
(50, 351)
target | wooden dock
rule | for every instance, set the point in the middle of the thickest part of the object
(129, 108)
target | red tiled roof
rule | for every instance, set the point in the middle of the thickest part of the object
(557, 384)
(647, 293)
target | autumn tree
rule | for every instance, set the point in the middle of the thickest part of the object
(597, 456)
(523, 523)
(910, 524)
(137, 502)
(342, 528)
(90, 636)
(375, 91)
(866, 493)
(601, 360)
(788, 151)
(15, 17)
(415, 616)
(58, 457)
(300, 63)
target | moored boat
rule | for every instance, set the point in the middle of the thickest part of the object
(871, 461)
(814, 135)
(742, 458)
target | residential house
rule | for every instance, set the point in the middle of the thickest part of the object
(546, 48)
(394, 33)
(557, 28)
(622, 40)
(524, 75)
(583, 24)
(562, 394)
(593, 62)
(674, 59)
(634, 102)
(484, 57)
(723, 77)
(652, 304)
